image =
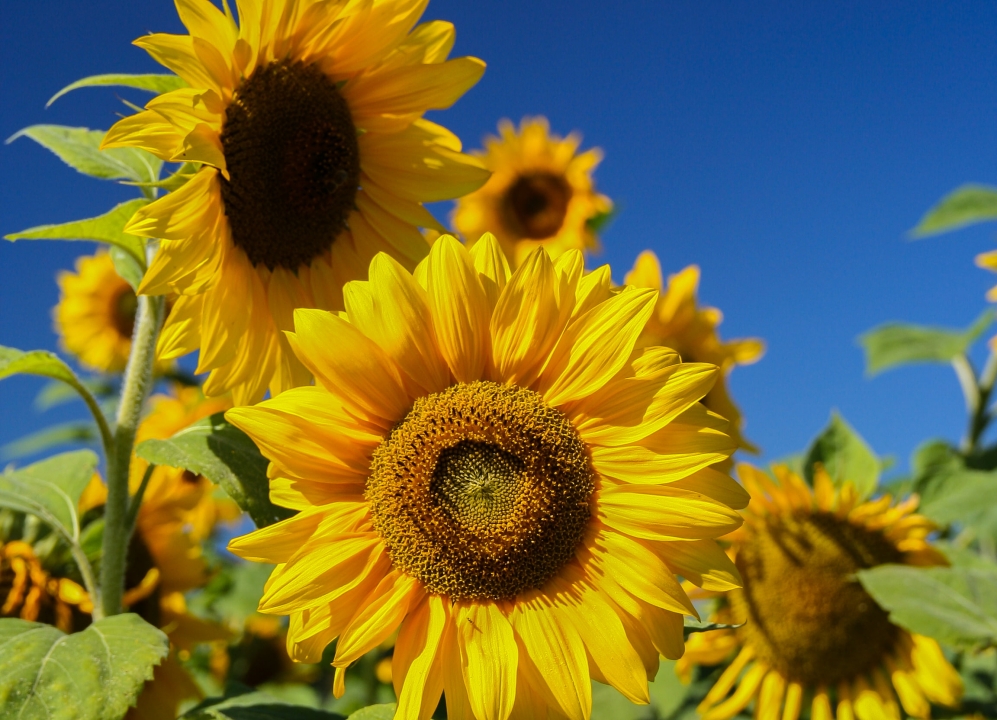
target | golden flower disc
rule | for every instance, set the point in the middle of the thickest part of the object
(804, 606)
(293, 163)
(535, 205)
(481, 491)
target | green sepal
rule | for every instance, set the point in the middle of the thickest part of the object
(894, 344)
(225, 455)
(963, 206)
(107, 228)
(80, 149)
(845, 456)
(954, 605)
(92, 675)
(157, 84)
(695, 626)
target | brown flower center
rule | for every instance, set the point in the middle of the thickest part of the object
(535, 205)
(294, 164)
(807, 615)
(481, 491)
(124, 304)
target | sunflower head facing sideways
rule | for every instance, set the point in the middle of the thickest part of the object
(305, 121)
(96, 314)
(490, 467)
(812, 636)
(680, 323)
(541, 193)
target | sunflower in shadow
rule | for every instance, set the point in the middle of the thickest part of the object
(541, 193)
(812, 638)
(304, 121)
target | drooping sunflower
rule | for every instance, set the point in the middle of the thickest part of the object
(489, 466)
(541, 193)
(96, 314)
(30, 592)
(812, 635)
(680, 323)
(306, 122)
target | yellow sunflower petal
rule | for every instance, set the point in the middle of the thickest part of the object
(489, 656)
(379, 617)
(657, 513)
(416, 667)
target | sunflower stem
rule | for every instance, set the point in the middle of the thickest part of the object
(135, 388)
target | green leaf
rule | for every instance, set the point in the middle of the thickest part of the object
(107, 228)
(80, 149)
(694, 626)
(599, 222)
(153, 83)
(39, 362)
(845, 456)
(50, 489)
(91, 675)
(125, 264)
(955, 605)
(57, 393)
(225, 455)
(254, 706)
(375, 712)
(963, 206)
(50, 437)
(893, 344)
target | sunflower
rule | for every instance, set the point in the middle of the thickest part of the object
(540, 193)
(812, 633)
(306, 121)
(691, 330)
(488, 466)
(96, 314)
(30, 592)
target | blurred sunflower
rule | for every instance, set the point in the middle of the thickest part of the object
(540, 193)
(306, 121)
(489, 467)
(96, 314)
(691, 330)
(165, 561)
(30, 592)
(812, 633)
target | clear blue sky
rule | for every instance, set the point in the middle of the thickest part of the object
(784, 147)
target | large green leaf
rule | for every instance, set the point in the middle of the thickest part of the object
(153, 83)
(91, 675)
(955, 605)
(254, 706)
(74, 432)
(107, 228)
(80, 149)
(225, 455)
(951, 491)
(46, 364)
(375, 712)
(845, 456)
(893, 344)
(963, 206)
(50, 489)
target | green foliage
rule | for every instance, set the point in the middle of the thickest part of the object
(895, 344)
(131, 270)
(225, 455)
(963, 206)
(385, 711)
(107, 228)
(50, 489)
(92, 675)
(80, 149)
(694, 626)
(845, 456)
(57, 393)
(48, 438)
(153, 83)
(598, 223)
(953, 491)
(254, 706)
(955, 605)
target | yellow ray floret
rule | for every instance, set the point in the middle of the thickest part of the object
(680, 323)
(812, 634)
(541, 193)
(489, 466)
(306, 122)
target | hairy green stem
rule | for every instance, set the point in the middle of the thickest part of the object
(134, 390)
(106, 437)
(136, 500)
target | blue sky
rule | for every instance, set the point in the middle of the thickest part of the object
(786, 148)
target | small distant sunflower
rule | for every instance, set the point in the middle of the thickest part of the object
(813, 635)
(30, 592)
(96, 314)
(488, 466)
(691, 330)
(540, 193)
(306, 120)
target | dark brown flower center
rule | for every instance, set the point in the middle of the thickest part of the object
(807, 615)
(482, 491)
(294, 164)
(535, 205)
(123, 307)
